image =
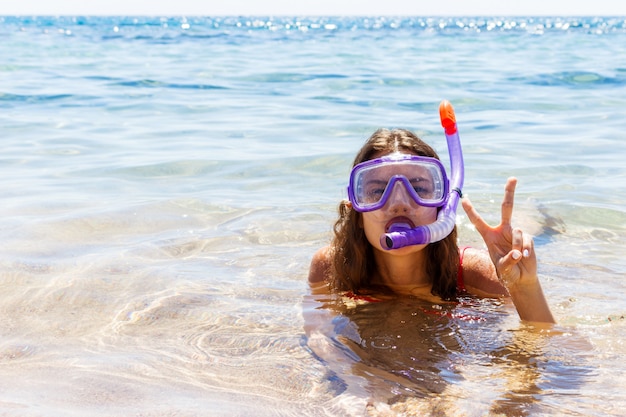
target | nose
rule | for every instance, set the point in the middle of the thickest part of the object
(399, 199)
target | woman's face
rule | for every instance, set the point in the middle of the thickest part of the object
(400, 208)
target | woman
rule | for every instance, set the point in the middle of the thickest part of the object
(356, 262)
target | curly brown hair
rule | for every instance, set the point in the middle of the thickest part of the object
(352, 257)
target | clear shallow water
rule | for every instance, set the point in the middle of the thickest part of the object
(166, 181)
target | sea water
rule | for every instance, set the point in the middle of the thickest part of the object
(165, 182)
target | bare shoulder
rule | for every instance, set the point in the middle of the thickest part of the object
(479, 274)
(319, 270)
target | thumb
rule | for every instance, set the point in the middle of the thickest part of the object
(508, 261)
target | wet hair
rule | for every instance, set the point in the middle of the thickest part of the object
(352, 257)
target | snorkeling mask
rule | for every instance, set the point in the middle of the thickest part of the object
(373, 181)
(424, 178)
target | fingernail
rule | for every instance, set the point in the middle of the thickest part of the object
(516, 254)
(526, 253)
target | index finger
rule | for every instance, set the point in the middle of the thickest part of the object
(507, 202)
(473, 216)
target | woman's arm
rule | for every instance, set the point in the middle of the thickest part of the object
(513, 255)
(319, 271)
(479, 274)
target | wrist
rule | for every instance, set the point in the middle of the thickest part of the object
(530, 301)
(523, 286)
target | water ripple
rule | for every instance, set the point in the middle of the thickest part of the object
(147, 83)
(575, 79)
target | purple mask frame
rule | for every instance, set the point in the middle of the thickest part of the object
(390, 160)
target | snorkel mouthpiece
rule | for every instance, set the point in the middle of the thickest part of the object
(400, 236)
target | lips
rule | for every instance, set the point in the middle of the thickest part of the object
(399, 222)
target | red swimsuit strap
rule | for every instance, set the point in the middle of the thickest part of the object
(460, 285)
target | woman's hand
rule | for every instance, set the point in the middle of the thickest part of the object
(511, 250)
(513, 254)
